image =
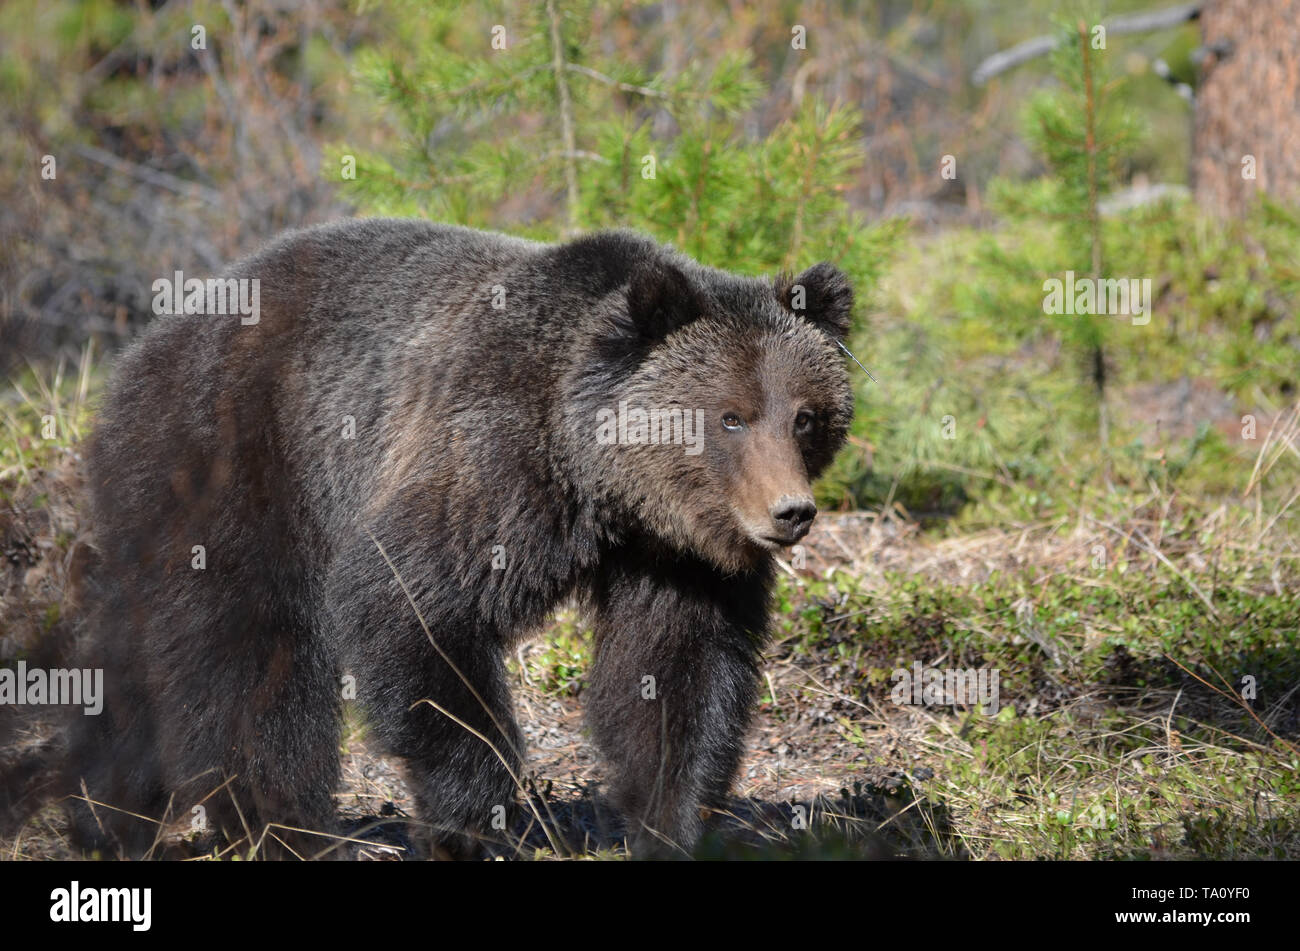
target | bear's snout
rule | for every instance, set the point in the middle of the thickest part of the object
(791, 519)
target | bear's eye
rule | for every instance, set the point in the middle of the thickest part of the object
(732, 420)
(803, 423)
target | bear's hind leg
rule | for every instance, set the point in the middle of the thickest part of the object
(112, 776)
(250, 733)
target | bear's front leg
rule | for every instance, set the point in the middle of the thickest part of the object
(432, 680)
(672, 690)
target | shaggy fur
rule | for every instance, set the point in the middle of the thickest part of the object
(475, 427)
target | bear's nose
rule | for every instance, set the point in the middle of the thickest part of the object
(792, 518)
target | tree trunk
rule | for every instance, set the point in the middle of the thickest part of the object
(1247, 135)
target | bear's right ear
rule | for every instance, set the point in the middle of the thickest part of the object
(820, 295)
(660, 299)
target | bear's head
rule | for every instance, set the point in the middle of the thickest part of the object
(720, 400)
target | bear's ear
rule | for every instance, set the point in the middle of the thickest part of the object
(660, 299)
(820, 295)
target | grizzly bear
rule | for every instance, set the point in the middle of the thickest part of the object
(418, 442)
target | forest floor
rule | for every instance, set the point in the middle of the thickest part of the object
(1145, 644)
(1113, 737)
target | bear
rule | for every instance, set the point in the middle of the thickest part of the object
(421, 441)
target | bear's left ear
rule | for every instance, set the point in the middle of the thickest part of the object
(660, 299)
(820, 295)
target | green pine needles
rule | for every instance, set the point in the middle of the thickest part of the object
(510, 117)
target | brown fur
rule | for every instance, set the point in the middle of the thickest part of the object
(475, 428)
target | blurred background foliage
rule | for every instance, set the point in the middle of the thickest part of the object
(703, 124)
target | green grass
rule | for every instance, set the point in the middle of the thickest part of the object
(43, 417)
(1122, 733)
(558, 664)
(957, 330)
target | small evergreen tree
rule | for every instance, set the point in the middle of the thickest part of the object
(1084, 134)
(520, 123)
